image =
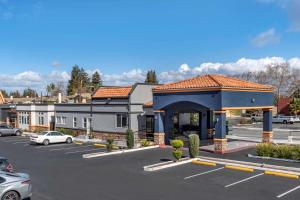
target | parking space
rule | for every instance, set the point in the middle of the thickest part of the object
(62, 148)
(254, 184)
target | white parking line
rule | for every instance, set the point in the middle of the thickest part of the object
(287, 192)
(82, 151)
(207, 172)
(76, 147)
(246, 179)
(51, 145)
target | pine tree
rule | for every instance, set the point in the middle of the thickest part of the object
(96, 80)
(74, 81)
(151, 77)
(4, 93)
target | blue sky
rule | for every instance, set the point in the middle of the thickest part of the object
(41, 40)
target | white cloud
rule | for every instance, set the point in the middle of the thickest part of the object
(39, 81)
(55, 63)
(266, 38)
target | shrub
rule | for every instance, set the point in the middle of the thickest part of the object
(38, 130)
(67, 131)
(130, 139)
(296, 152)
(283, 151)
(177, 144)
(174, 132)
(145, 143)
(109, 145)
(177, 154)
(279, 151)
(265, 150)
(194, 145)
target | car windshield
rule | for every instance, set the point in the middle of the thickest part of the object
(43, 133)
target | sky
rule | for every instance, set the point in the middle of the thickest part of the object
(40, 40)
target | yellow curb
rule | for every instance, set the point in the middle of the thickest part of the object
(79, 143)
(245, 169)
(282, 174)
(100, 145)
(197, 162)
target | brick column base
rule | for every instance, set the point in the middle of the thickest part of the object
(220, 145)
(267, 136)
(159, 138)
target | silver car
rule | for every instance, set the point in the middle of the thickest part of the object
(14, 186)
(8, 130)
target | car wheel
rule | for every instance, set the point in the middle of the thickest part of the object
(18, 133)
(284, 121)
(11, 195)
(46, 142)
(291, 122)
(69, 140)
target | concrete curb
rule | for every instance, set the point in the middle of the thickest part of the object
(164, 165)
(277, 159)
(102, 154)
(257, 166)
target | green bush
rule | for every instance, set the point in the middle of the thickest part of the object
(279, 151)
(67, 131)
(130, 139)
(145, 143)
(109, 145)
(176, 144)
(296, 152)
(177, 154)
(194, 143)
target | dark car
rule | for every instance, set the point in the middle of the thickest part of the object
(5, 165)
(8, 130)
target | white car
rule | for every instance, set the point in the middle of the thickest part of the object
(48, 137)
(283, 119)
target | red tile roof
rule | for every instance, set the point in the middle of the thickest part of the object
(211, 81)
(112, 92)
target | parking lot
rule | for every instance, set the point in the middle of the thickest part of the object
(59, 172)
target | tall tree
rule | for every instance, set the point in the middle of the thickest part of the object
(4, 93)
(151, 77)
(74, 81)
(15, 94)
(28, 92)
(96, 80)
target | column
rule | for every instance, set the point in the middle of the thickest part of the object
(210, 124)
(220, 140)
(267, 135)
(159, 133)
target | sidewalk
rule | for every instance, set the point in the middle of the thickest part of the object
(259, 139)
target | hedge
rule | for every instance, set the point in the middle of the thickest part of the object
(279, 151)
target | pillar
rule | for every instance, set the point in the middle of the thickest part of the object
(267, 135)
(210, 124)
(220, 140)
(159, 133)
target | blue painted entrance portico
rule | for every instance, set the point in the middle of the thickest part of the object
(210, 97)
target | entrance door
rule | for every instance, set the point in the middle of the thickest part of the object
(150, 127)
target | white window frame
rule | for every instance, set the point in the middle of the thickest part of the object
(63, 120)
(75, 122)
(84, 122)
(58, 120)
(122, 114)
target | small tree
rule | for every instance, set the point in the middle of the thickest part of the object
(130, 139)
(295, 106)
(194, 145)
(109, 145)
(177, 146)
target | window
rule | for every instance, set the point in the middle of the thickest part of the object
(58, 120)
(84, 122)
(41, 120)
(64, 120)
(74, 122)
(2, 180)
(122, 120)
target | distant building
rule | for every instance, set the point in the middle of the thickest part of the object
(35, 116)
